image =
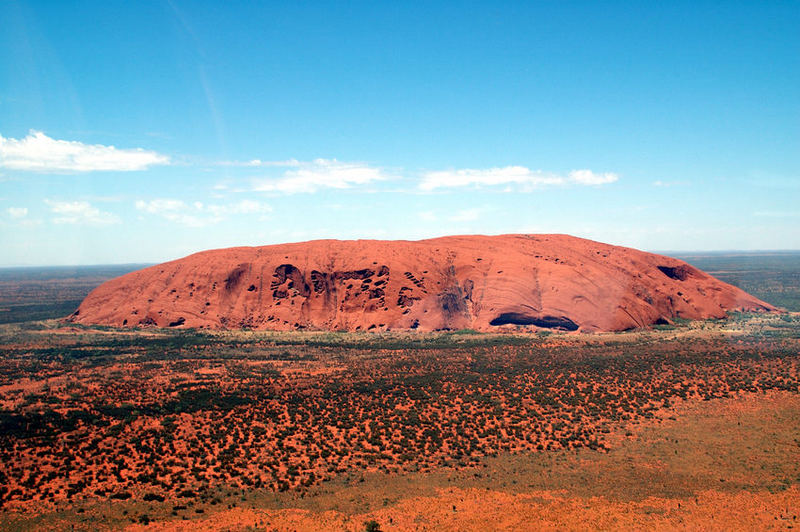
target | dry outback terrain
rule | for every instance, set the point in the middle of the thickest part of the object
(529, 424)
(694, 424)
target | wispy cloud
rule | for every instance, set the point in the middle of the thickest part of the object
(512, 177)
(258, 163)
(159, 206)
(587, 177)
(176, 211)
(39, 153)
(19, 217)
(241, 207)
(309, 177)
(17, 212)
(198, 214)
(79, 213)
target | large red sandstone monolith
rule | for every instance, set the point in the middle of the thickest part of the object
(478, 282)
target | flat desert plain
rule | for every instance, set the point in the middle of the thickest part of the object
(694, 424)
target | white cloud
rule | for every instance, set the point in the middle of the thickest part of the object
(175, 211)
(39, 153)
(587, 177)
(321, 173)
(260, 163)
(159, 206)
(660, 183)
(241, 207)
(510, 176)
(311, 176)
(80, 212)
(199, 214)
(17, 212)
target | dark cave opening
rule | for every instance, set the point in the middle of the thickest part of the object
(549, 322)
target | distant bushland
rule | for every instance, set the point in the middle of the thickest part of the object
(773, 276)
(41, 293)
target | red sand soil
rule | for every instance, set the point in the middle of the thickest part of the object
(479, 510)
(458, 282)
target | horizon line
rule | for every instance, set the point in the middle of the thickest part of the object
(658, 252)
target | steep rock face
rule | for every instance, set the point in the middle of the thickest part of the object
(478, 282)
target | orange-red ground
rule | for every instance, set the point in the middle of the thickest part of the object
(106, 428)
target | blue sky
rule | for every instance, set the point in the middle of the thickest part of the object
(144, 131)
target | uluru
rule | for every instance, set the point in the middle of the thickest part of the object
(485, 283)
